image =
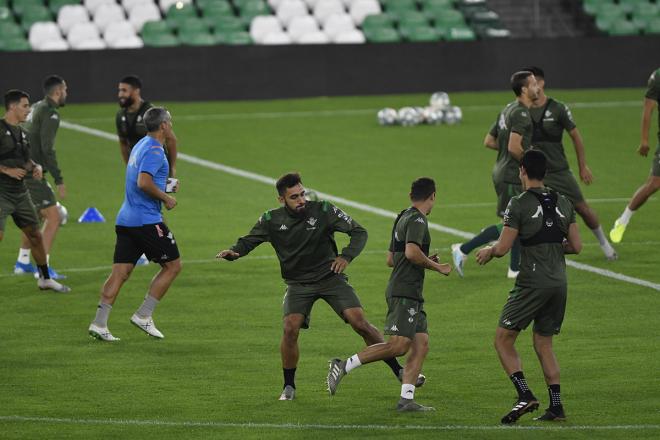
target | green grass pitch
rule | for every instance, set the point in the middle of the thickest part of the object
(217, 374)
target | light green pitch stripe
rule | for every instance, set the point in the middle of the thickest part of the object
(357, 205)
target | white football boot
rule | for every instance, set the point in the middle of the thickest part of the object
(146, 325)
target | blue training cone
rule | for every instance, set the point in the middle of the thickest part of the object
(91, 215)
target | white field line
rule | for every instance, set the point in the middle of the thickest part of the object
(319, 426)
(357, 205)
(353, 112)
(273, 257)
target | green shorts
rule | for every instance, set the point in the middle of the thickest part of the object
(405, 317)
(655, 167)
(505, 192)
(41, 193)
(565, 184)
(335, 290)
(544, 306)
(20, 207)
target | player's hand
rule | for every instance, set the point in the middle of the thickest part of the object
(586, 176)
(643, 150)
(228, 255)
(444, 268)
(484, 255)
(170, 202)
(38, 172)
(61, 191)
(339, 265)
(15, 173)
(434, 258)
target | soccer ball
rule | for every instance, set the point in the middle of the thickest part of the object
(439, 100)
(63, 212)
(408, 116)
(311, 196)
(459, 113)
(387, 116)
(450, 117)
(433, 116)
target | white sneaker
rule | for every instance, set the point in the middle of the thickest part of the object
(51, 284)
(147, 325)
(101, 333)
(512, 274)
(459, 258)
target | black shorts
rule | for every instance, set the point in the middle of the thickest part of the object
(155, 241)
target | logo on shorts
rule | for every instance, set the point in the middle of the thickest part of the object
(412, 312)
(507, 322)
(171, 237)
(161, 234)
(283, 228)
(394, 328)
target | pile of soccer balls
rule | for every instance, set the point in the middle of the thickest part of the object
(439, 111)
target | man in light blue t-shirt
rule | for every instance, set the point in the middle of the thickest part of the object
(140, 228)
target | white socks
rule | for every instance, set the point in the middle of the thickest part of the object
(600, 235)
(407, 391)
(625, 217)
(24, 256)
(352, 363)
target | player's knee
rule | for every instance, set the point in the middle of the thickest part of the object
(174, 266)
(399, 346)
(291, 330)
(362, 326)
(34, 235)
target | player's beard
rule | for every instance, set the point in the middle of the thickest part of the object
(125, 102)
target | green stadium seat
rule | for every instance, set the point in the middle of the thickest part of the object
(56, 5)
(253, 7)
(233, 38)
(449, 18)
(607, 16)
(10, 30)
(155, 27)
(396, 6)
(486, 17)
(437, 4)
(6, 14)
(34, 14)
(19, 6)
(630, 5)
(176, 15)
(382, 35)
(15, 45)
(622, 27)
(217, 8)
(160, 40)
(192, 25)
(221, 24)
(377, 21)
(646, 10)
(653, 27)
(417, 33)
(411, 18)
(197, 39)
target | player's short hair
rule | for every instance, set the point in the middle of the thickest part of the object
(13, 96)
(51, 82)
(156, 116)
(132, 80)
(534, 162)
(520, 80)
(421, 189)
(289, 180)
(536, 70)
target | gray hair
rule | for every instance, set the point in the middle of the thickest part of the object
(156, 116)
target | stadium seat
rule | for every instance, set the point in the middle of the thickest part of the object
(262, 25)
(463, 33)
(276, 38)
(485, 17)
(176, 15)
(117, 31)
(19, 6)
(130, 4)
(166, 4)
(653, 27)
(81, 32)
(411, 18)
(289, 9)
(224, 24)
(382, 35)
(92, 44)
(197, 39)
(162, 39)
(53, 45)
(55, 5)
(592, 6)
(253, 8)
(17, 44)
(622, 27)
(418, 33)
(133, 42)
(34, 14)
(142, 13)
(448, 18)
(93, 5)
(336, 24)
(10, 30)
(354, 36)
(629, 5)
(317, 37)
(272, 3)
(397, 6)
(233, 38)
(377, 21)
(325, 8)
(437, 4)
(43, 32)
(360, 9)
(71, 15)
(301, 25)
(106, 14)
(6, 14)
